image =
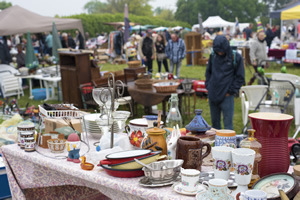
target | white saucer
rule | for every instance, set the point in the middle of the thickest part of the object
(204, 196)
(177, 187)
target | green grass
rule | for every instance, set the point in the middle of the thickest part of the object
(201, 103)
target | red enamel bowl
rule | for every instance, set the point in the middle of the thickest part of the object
(122, 173)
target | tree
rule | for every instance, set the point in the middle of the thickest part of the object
(96, 6)
(4, 4)
(164, 14)
(136, 7)
(245, 10)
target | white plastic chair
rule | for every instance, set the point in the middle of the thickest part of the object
(253, 93)
(11, 85)
(295, 102)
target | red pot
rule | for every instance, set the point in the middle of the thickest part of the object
(272, 132)
(122, 173)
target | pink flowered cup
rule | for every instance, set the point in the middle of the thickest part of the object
(222, 162)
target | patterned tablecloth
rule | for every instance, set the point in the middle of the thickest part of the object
(32, 170)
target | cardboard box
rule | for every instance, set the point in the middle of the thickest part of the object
(52, 124)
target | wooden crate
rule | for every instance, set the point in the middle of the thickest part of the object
(193, 41)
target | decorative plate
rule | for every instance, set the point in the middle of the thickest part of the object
(272, 183)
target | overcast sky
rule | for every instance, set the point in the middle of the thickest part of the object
(69, 7)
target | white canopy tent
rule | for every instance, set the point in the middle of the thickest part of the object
(218, 22)
(15, 20)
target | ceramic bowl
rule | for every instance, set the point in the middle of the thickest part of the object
(57, 145)
(164, 171)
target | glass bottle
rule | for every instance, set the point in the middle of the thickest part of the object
(252, 143)
(174, 116)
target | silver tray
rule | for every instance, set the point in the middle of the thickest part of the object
(206, 176)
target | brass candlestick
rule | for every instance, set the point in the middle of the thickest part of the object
(252, 143)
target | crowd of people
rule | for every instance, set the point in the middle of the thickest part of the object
(41, 42)
(166, 47)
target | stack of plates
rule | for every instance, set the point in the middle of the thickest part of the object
(93, 129)
(91, 126)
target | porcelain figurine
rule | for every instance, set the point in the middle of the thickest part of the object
(172, 143)
(73, 147)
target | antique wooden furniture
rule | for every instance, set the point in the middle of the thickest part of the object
(75, 70)
(131, 74)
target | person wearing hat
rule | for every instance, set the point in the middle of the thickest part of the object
(146, 50)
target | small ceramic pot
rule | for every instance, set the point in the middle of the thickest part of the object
(189, 179)
(222, 162)
(24, 126)
(156, 140)
(23, 135)
(29, 144)
(253, 195)
(225, 138)
(217, 189)
(243, 160)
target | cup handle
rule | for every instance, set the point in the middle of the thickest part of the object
(127, 129)
(240, 196)
(208, 150)
(205, 183)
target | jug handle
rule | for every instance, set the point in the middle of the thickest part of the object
(208, 150)
(293, 152)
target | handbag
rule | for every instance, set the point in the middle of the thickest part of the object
(161, 56)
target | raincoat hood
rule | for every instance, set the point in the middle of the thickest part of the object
(221, 44)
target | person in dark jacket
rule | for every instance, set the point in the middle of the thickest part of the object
(79, 40)
(269, 36)
(119, 41)
(147, 50)
(224, 77)
(67, 42)
(161, 57)
(167, 35)
(5, 57)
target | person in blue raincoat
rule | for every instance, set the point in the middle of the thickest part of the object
(224, 77)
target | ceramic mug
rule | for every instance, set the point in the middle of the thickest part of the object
(189, 179)
(29, 144)
(253, 195)
(190, 149)
(242, 159)
(225, 138)
(222, 162)
(217, 188)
